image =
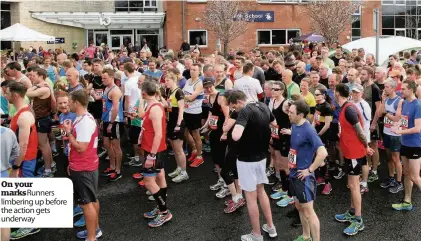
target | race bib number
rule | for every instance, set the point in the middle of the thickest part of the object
(63, 133)
(404, 122)
(387, 122)
(213, 122)
(274, 130)
(317, 117)
(292, 159)
(99, 93)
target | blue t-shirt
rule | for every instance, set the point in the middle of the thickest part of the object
(69, 116)
(182, 83)
(410, 112)
(156, 74)
(304, 143)
(4, 105)
(337, 109)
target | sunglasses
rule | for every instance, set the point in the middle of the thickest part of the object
(317, 94)
(394, 76)
(276, 89)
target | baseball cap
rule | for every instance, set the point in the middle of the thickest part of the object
(394, 73)
(357, 88)
(208, 81)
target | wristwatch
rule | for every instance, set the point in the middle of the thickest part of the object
(15, 167)
(152, 155)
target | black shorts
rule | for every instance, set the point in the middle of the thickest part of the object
(155, 169)
(176, 135)
(193, 121)
(134, 133)
(95, 108)
(116, 131)
(303, 190)
(411, 152)
(218, 147)
(354, 166)
(381, 127)
(282, 146)
(44, 124)
(333, 132)
(85, 186)
(205, 112)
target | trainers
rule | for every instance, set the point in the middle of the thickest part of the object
(354, 228)
(133, 163)
(301, 238)
(197, 162)
(233, 206)
(160, 219)
(141, 183)
(103, 151)
(402, 206)
(80, 223)
(285, 201)
(396, 188)
(181, 178)
(363, 189)
(251, 237)
(137, 176)
(277, 187)
(223, 193)
(218, 185)
(107, 172)
(327, 189)
(278, 195)
(77, 211)
(115, 176)
(270, 171)
(192, 156)
(175, 173)
(23, 232)
(151, 214)
(271, 231)
(373, 177)
(47, 174)
(386, 183)
(345, 217)
(339, 175)
(206, 148)
(320, 181)
(84, 234)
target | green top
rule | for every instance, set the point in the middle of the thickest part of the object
(12, 109)
(292, 89)
(137, 121)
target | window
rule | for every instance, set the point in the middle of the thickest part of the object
(276, 36)
(135, 5)
(199, 37)
(356, 25)
(401, 18)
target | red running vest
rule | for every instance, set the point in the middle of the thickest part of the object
(148, 133)
(32, 148)
(88, 160)
(350, 144)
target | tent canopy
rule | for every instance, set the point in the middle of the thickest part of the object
(388, 45)
(311, 37)
(18, 32)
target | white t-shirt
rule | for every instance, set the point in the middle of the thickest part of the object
(85, 127)
(124, 77)
(131, 89)
(250, 86)
(365, 112)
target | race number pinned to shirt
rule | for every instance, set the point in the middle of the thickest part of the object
(292, 159)
(274, 129)
(99, 93)
(63, 132)
(388, 123)
(317, 117)
(404, 122)
(213, 122)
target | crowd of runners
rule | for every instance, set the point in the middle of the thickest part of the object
(293, 120)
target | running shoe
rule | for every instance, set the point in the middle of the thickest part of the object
(218, 185)
(277, 187)
(152, 214)
(23, 232)
(175, 173)
(354, 228)
(197, 162)
(292, 213)
(301, 238)
(206, 148)
(47, 174)
(84, 234)
(233, 206)
(41, 170)
(148, 193)
(327, 189)
(192, 156)
(223, 192)
(77, 211)
(271, 231)
(278, 195)
(345, 217)
(270, 171)
(386, 183)
(133, 163)
(54, 153)
(320, 181)
(137, 176)
(251, 237)
(339, 175)
(80, 223)
(402, 206)
(160, 219)
(363, 189)
(141, 183)
(396, 188)
(102, 153)
(115, 176)
(107, 172)
(285, 201)
(181, 178)
(373, 177)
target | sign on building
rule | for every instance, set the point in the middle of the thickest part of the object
(256, 16)
(58, 41)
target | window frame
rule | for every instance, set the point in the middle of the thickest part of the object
(135, 9)
(400, 29)
(281, 1)
(197, 30)
(270, 30)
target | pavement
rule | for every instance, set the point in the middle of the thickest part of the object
(198, 215)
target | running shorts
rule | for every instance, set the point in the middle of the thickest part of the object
(117, 130)
(303, 190)
(354, 166)
(411, 152)
(251, 174)
(85, 186)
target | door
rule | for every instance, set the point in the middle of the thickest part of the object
(101, 37)
(151, 41)
(118, 40)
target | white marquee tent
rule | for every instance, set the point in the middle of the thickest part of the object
(387, 45)
(18, 32)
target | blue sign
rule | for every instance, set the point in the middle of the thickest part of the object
(256, 16)
(58, 41)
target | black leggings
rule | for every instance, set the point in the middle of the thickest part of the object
(218, 147)
(229, 169)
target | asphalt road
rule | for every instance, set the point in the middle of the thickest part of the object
(198, 214)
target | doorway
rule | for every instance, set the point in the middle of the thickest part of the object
(151, 37)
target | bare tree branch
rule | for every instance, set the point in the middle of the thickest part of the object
(331, 17)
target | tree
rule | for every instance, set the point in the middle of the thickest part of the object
(227, 19)
(411, 24)
(330, 18)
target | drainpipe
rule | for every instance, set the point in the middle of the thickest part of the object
(182, 21)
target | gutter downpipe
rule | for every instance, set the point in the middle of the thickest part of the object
(183, 21)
